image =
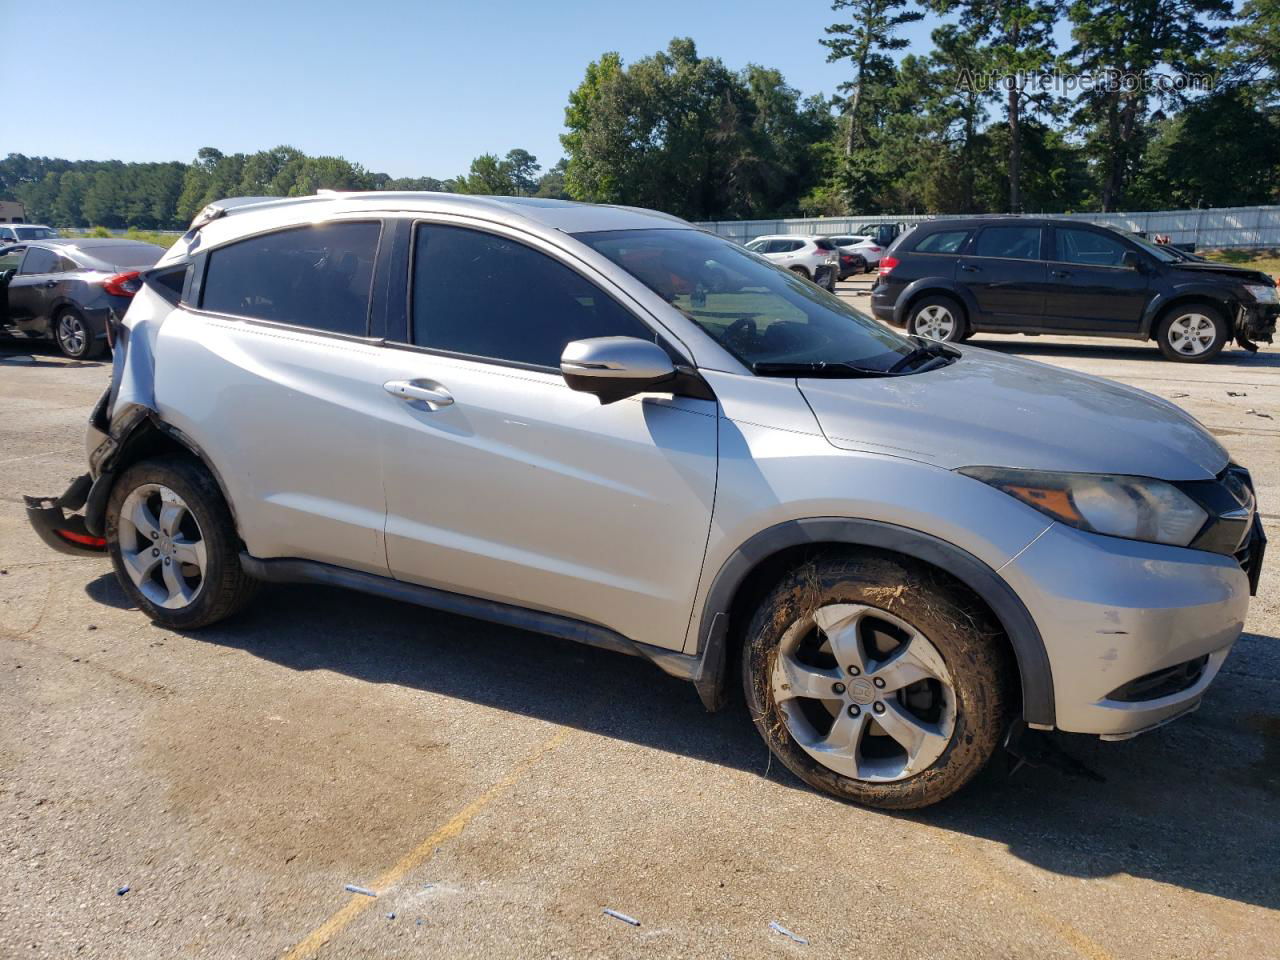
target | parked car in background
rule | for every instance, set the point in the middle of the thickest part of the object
(865, 247)
(65, 290)
(610, 426)
(949, 279)
(13, 232)
(813, 258)
(882, 234)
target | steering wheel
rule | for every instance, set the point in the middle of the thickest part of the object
(743, 329)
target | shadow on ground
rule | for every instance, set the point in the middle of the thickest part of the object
(1232, 358)
(1192, 804)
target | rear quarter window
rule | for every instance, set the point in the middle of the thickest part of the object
(944, 241)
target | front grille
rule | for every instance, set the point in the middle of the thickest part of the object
(1161, 683)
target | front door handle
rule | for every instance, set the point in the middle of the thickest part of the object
(51, 283)
(1059, 274)
(421, 391)
(970, 268)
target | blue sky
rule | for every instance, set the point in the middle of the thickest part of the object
(410, 89)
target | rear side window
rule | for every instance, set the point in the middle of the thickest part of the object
(39, 260)
(317, 276)
(947, 241)
(1087, 247)
(487, 296)
(1013, 243)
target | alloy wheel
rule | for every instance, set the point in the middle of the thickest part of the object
(1192, 334)
(72, 335)
(935, 322)
(162, 546)
(864, 693)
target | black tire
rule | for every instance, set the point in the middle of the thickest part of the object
(960, 330)
(225, 588)
(960, 631)
(87, 347)
(801, 271)
(1176, 322)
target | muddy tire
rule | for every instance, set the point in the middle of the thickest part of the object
(877, 679)
(174, 546)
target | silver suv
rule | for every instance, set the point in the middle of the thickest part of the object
(604, 424)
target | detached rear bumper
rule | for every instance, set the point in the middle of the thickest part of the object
(65, 532)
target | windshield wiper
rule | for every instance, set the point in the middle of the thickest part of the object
(937, 354)
(820, 368)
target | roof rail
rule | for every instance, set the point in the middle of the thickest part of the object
(220, 208)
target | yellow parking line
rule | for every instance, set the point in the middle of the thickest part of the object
(419, 854)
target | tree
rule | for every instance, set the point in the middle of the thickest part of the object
(489, 176)
(522, 169)
(551, 184)
(1133, 38)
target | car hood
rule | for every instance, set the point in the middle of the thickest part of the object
(1243, 274)
(988, 409)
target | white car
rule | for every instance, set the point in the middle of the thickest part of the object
(865, 247)
(814, 258)
(19, 232)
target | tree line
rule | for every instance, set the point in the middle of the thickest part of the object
(1153, 104)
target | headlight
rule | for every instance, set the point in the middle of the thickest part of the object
(1136, 508)
(1262, 293)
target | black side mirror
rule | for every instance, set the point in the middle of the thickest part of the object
(1133, 261)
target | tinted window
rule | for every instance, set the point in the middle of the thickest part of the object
(39, 260)
(824, 244)
(487, 296)
(66, 265)
(318, 276)
(948, 241)
(36, 233)
(1087, 247)
(10, 259)
(1016, 243)
(758, 311)
(7, 234)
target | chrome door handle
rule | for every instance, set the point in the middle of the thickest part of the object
(411, 390)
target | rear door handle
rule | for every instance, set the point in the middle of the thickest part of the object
(970, 268)
(1059, 274)
(50, 283)
(421, 391)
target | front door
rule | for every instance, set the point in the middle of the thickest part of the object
(30, 290)
(1090, 287)
(1006, 275)
(511, 486)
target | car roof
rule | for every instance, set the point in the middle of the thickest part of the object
(784, 236)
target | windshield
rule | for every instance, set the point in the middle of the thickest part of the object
(1156, 250)
(759, 312)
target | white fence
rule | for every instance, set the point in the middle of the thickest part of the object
(1218, 227)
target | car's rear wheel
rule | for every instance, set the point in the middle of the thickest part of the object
(174, 546)
(1193, 333)
(937, 318)
(800, 271)
(75, 336)
(876, 679)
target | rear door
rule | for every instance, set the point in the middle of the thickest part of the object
(276, 373)
(1006, 273)
(1090, 289)
(31, 290)
(515, 488)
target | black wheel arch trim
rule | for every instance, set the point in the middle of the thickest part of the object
(927, 286)
(1024, 636)
(1162, 303)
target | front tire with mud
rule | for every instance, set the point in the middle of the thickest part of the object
(877, 679)
(174, 546)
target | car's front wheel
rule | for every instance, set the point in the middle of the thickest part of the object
(174, 546)
(876, 679)
(1192, 334)
(799, 271)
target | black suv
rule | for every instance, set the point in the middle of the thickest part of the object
(948, 279)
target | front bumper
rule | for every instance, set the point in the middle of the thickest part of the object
(1135, 632)
(1256, 322)
(63, 531)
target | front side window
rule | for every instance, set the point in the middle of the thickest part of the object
(759, 312)
(315, 276)
(11, 259)
(948, 241)
(39, 260)
(1013, 243)
(756, 246)
(486, 296)
(1087, 247)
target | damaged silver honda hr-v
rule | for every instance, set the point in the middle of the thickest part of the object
(604, 424)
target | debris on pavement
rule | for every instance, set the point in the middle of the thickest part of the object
(391, 916)
(1259, 413)
(122, 891)
(1177, 396)
(621, 916)
(776, 927)
(352, 888)
(1236, 393)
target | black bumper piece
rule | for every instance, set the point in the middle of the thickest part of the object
(65, 533)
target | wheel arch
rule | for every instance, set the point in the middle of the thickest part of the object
(933, 286)
(1157, 309)
(758, 563)
(142, 435)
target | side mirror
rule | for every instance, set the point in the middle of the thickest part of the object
(1132, 261)
(614, 368)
